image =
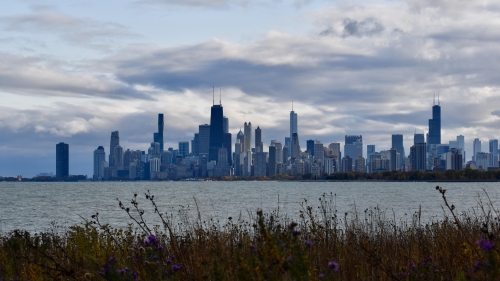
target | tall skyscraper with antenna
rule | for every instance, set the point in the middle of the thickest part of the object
(158, 137)
(434, 136)
(216, 129)
(293, 122)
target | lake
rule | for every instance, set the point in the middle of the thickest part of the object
(33, 206)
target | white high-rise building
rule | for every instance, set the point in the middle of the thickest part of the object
(154, 168)
(247, 138)
(477, 148)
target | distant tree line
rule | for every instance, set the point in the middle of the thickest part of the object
(450, 175)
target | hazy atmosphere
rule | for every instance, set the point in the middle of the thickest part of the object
(73, 71)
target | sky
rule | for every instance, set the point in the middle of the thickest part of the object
(73, 71)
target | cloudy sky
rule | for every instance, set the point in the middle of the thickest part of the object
(73, 71)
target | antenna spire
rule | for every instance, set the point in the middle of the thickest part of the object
(434, 103)
(220, 96)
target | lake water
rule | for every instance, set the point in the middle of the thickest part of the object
(33, 206)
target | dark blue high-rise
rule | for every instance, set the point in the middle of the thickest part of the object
(434, 136)
(158, 137)
(62, 160)
(216, 131)
(310, 147)
(397, 143)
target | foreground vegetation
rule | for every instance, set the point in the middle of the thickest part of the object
(319, 245)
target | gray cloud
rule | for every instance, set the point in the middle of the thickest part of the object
(39, 76)
(78, 31)
(366, 27)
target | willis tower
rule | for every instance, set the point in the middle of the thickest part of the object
(434, 136)
(158, 137)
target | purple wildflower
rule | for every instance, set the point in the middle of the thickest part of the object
(288, 259)
(426, 260)
(484, 244)
(151, 240)
(169, 261)
(176, 267)
(160, 248)
(309, 243)
(154, 257)
(333, 265)
(321, 275)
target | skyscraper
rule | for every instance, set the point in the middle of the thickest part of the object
(259, 146)
(247, 142)
(114, 142)
(461, 145)
(353, 146)
(260, 164)
(273, 157)
(418, 138)
(319, 153)
(476, 145)
(203, 140)
(494, 153)
(310, 147)
(99, 159)
(228, 145)
(295, 146)
(350, 139)
(418, 156)
(434, 136)
(370, 149)
(240, 139)
(393, 162)
(222, 164)
(62, 160)
(183, 148)
(158, 136)
(225, 125)
(216, 131)
(293, 124)
(195, 144)
(279, 150)
(118, 157)
(397, 143)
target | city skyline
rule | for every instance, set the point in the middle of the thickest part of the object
(71, 74)
(293, 116)
(156, 163)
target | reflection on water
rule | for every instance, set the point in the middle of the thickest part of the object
(33, 206)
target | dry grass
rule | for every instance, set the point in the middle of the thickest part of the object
(319, 245)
